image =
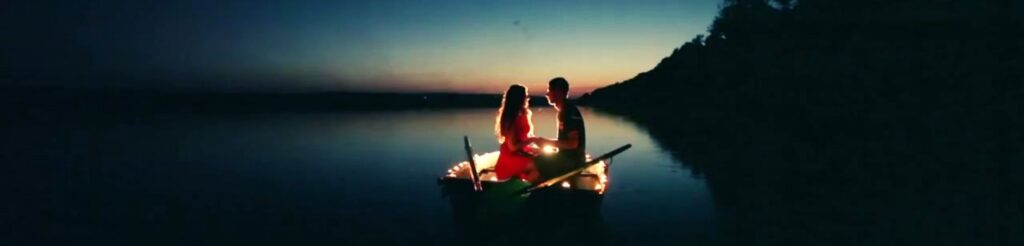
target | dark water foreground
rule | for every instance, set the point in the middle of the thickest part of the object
(361, 178)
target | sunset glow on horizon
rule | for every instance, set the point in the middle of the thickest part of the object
(455, 46)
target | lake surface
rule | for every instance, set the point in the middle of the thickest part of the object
(311, 178)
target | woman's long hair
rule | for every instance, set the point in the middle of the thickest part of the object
(513, 104)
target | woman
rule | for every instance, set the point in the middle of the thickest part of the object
(515, 133)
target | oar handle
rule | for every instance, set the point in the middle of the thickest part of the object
(586, 165)
(472, 165)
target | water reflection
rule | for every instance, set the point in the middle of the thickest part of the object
(773, 187)
(351, 178)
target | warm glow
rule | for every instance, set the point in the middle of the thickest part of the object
(485, 163)
(548, 149)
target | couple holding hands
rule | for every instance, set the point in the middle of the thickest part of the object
(519, 156)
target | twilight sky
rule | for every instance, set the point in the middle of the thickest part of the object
(309, 45)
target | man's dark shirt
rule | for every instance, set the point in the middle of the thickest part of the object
(570, 119)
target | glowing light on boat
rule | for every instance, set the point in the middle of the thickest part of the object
(593, 179)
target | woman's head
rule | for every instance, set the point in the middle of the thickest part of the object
(513, 103)
(515, 96)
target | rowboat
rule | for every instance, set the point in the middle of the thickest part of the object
(558, 210)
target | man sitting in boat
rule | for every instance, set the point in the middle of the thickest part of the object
(571, 142)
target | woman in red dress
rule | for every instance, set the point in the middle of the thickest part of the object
(515, 133)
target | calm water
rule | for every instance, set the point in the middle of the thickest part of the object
(325, 178)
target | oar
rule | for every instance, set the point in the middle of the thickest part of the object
(472, 165)
(555, 180)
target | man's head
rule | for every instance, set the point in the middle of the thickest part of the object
(558, 90)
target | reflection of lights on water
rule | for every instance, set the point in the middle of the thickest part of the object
(548, 149)
(565, 184)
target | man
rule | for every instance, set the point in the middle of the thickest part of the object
(571, 142)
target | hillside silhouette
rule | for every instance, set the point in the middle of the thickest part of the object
(842, 121)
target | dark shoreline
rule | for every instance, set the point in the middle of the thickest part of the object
(56, 106)
(122, 101)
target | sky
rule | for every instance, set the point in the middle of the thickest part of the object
(307, 45)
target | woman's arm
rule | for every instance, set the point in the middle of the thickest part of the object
(516, 144)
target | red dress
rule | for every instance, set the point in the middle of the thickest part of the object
(514, 162)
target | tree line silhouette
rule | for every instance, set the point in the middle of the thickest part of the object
(861, 121)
